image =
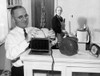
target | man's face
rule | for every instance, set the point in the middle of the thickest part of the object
(59, 11)
(21, 17)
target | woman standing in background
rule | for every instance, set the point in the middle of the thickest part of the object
(58, 24)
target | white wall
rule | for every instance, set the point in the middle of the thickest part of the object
(27, 5)
(3, 20)
(3, 30)
(90, 9)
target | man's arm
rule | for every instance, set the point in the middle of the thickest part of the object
(14, 47)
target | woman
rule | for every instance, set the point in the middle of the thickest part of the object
(58, 24)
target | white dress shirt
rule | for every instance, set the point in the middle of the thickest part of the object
(15, 45)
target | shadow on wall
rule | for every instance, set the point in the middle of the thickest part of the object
(88, 22)
(5, 64)
(82, 22)
(2, 56)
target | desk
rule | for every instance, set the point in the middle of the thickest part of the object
(81, 62)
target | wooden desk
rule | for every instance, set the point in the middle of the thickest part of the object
(81, 62)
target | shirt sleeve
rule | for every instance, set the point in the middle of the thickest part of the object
(14, 48)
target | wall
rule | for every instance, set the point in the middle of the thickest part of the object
(74, 9)
(27, 5)
(3, 20)
(2, 57)
(3, 30)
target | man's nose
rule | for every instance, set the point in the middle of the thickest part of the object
(24, 18)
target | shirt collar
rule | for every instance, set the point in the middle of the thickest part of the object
(19, 29)
(58, 16)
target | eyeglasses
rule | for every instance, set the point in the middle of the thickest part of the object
(21, 17)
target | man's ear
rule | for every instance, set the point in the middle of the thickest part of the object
(13, 23)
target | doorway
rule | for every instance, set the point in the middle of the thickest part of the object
(42, 13)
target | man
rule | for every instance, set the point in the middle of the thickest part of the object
(16, 42)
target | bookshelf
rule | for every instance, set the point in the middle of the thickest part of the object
(12, 3)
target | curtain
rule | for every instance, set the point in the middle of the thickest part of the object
(42, 13)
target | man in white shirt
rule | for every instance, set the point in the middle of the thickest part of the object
(16, 42)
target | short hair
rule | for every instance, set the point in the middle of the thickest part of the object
(58, 7)
(14, 8)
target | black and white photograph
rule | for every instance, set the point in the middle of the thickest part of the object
(49, 37)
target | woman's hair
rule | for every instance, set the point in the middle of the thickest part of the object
(58, 7)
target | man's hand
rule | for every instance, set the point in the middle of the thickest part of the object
(31, 34)
(51, 34)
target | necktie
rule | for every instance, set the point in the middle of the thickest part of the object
(25, 34)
